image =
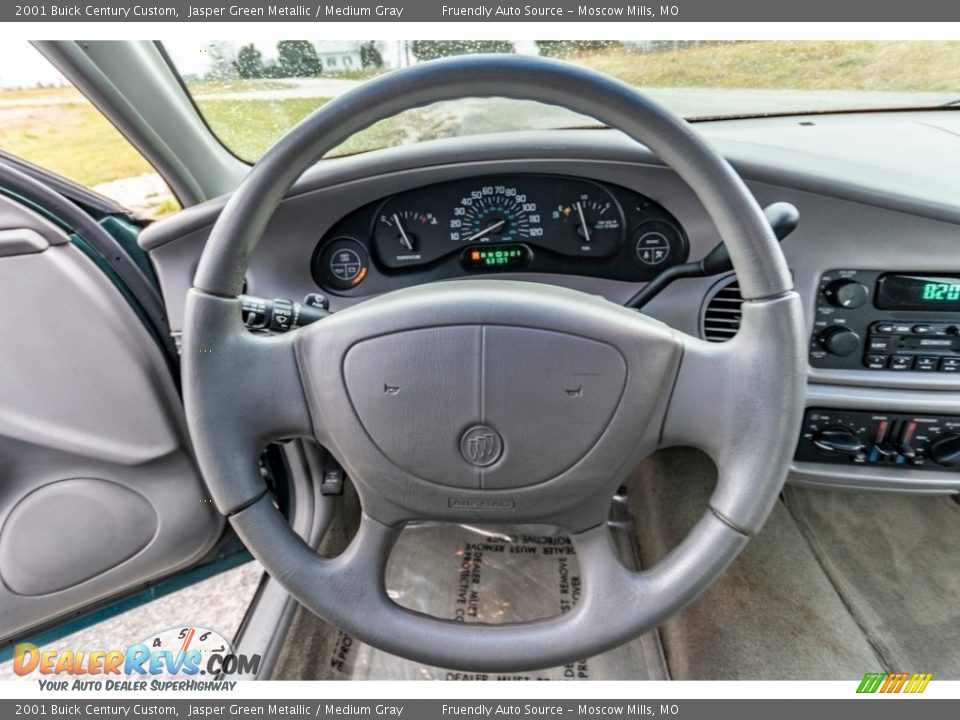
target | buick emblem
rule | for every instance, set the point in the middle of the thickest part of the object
(481, 445)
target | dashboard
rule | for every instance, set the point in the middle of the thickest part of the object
(496, 224)
(874, 258)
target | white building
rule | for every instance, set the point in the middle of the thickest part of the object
(339, 57)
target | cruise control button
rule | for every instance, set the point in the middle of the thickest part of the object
(901, 362)
(876, 362)
(926, 364)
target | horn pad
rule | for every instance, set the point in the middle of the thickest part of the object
(484, 406)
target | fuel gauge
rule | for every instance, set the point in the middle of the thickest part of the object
(592, 221)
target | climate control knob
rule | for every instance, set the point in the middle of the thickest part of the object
(846, 293)
(839, 341)
(945, 450)
(839, 439)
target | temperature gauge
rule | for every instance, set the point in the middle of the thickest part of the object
(403, 236)
(405, 227)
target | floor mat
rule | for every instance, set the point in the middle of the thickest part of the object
(773, 615)
(470, 574)
(894, 559)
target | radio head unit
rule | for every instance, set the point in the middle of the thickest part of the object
(899, 321)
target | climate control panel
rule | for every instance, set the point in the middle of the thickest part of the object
(894, 440)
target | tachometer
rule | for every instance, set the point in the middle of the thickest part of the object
(495, 213)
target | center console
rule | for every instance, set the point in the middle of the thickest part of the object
(888, 437)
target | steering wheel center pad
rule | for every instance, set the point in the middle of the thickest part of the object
(568, 393)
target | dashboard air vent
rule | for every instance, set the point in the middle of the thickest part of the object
(721, 314)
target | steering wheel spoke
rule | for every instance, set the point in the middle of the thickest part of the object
(247, 386)
(736, 401)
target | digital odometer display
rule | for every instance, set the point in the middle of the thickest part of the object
(918, 292)
(495, 257)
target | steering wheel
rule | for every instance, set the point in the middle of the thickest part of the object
(495, 401)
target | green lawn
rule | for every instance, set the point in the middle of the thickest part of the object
(72, 139)
(801, 65)
(250, 127)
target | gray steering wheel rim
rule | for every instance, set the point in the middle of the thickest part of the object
(356, 600)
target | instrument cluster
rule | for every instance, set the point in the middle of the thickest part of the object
(496, 224)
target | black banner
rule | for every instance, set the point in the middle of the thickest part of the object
(451, 11)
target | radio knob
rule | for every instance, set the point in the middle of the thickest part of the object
(945, 450)
(846, 294)
(839, 439)
(839, 341)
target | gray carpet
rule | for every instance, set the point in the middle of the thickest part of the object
(774, 615)
(895, 559)
(514, 574)
(836, 585)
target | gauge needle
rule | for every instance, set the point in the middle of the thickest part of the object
(404, 238)
(485, 231)
(583, 223)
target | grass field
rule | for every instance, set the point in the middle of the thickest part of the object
(72, 139)
(58, 129)
(250, 127)
(800, 65)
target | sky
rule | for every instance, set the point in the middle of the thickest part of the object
(21, 65)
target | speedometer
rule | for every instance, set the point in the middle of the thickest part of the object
(495, 213)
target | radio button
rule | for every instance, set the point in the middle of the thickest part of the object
(846, 293)
(884, 328)
(926, 364)
(901, 362)
(922, 329)
(876, 362)
(878, 345)
(950, 365)
(839, 341)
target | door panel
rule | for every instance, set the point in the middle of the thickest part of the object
(99, 493)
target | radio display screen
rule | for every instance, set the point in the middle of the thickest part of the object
(896, 291)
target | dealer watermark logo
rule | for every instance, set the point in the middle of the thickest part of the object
(891, 683)
(179, 658)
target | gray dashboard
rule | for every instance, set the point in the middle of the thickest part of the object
(875, 191)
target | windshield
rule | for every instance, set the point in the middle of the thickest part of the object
(251, 93)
